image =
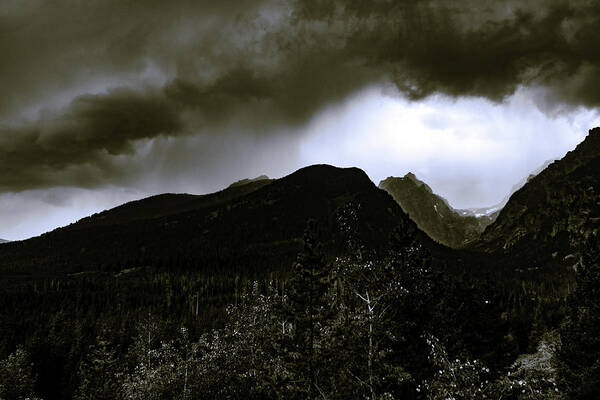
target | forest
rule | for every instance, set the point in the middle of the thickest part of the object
(351, 327)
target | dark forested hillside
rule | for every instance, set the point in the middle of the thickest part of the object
(550, 218)
(432, 213)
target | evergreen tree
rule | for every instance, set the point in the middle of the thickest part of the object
(579, 353)
(100, 373)
(310, 310)
(412, 301)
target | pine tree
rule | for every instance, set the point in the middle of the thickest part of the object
(412, 282)
(309, 309)
(100, 373)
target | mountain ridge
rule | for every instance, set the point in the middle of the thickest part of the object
(432, 213)
(259, 223)
(492, 212)
(555, 212)
(245, 181)
(165, 204)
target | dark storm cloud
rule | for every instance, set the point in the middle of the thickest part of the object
(48, 46)
(89, 131)
(204, 67)
(480, 48)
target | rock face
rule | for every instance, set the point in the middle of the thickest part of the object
(554, 213)
(433, 214)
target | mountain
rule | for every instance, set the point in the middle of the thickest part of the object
(551, 217)
(3, 241)
(432, 213)
(254, 228)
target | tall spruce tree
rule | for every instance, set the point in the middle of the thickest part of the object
(309, 308)
(100, 373)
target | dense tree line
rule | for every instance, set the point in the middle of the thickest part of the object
(351, 327)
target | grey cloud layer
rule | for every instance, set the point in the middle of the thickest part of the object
(204, 67)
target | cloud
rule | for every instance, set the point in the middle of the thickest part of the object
(88, 83)
(472, 48)
(87, 133)
(470, 151)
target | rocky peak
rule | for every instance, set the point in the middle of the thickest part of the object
(431, 212)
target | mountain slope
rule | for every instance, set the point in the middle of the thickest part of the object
(167, 204)
(552, 215)
(432, 213)
(256, 232)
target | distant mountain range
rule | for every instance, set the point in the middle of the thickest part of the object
(3, 241)
(552, 216)
(261, 216)
(263, 219)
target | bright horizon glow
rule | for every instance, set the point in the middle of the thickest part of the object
(470, 151)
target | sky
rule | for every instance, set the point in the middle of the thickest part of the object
(105, 102)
